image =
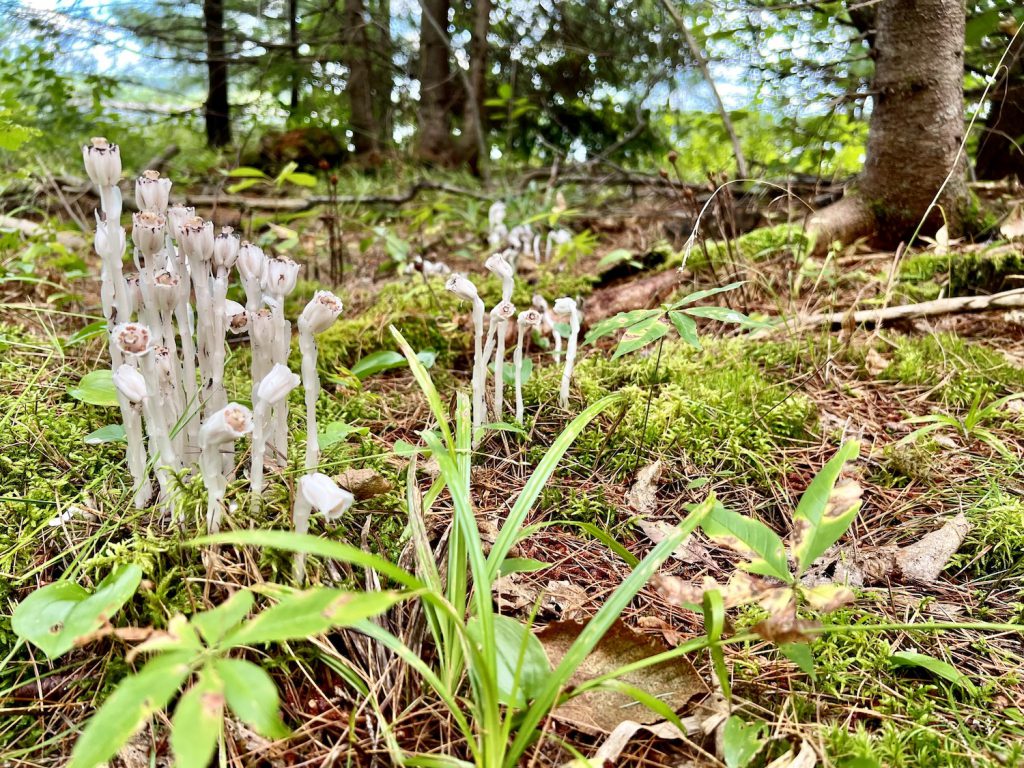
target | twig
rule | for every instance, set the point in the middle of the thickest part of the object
(1012, 299)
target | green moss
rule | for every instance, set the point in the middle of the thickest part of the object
(995, 543)
(584, 505)
(757, 245)
(962, 273)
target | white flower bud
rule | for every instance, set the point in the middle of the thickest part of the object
(276, 385)
(321, 312)
(177, 215)
(324, 495)
(529, 318)
(564, 306)
(250, 261)
(280, 275)
(132, 338)
(130, 383)
(148, 230)
(197, 238)
(165, 289)
(229, 423)
(236, 315)
(462, 287)
(261, 328)
(225, 248)
(498, 265)
(102, 162)
(152, 192)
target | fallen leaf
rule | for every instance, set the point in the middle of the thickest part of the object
(805, 758)
(642, 498)
(363, 483)
(689, 550)
(617, 740)
(925, 559)
(874, 362)
(564, 600)
(1013, 225)
(674, 682)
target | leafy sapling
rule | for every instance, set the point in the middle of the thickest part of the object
(528, 320)
(318, 315)
(566, 306)
(316, 491)
(274, 388)
(222, 428)
(464, 289)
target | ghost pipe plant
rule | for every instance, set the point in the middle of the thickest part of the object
(566, 306)
(548, 325)
(499, 266)
(497, 231)
(501, 313)
(272, 389)
(319, 315)
(556, 239)
(132, 387)
(316, 491)
(220, 429)
(279, 277)
(463, 288)
(528, 319)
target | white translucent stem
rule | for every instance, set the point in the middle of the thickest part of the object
(259, 451)
(253, 292)
(137, 454)
(218, 396)
(211, 469)
(517, 363)
(557, 338)
(204, 328)
(156, 425)
(311, 387)
(479, 363)
(499, 371)
(300, 519)
(279, 354)
(570, 358)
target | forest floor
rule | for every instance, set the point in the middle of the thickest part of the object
(752, 417)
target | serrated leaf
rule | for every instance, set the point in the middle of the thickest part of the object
(197, 722)
(618, 322)
(937, 667)
(252, 696)
(96, 388)
(751, 538)
(686, 327)
(639, 336)
(825, 510)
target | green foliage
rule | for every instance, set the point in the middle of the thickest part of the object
(995, 542)
(961, 272)
(96, 388)
(757, 245)
(973, 425)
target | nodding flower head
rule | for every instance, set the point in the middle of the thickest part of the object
(152, 192)
(225, 248)
(237, 317)
(165, 288)
(130, 383)
(565, 306)
(102, 162)
(280, 275)
(197, 238)
(148, 230)
(529, 318)
(132, 338)
(226, 425)
(324, 495)
(321, 312)
(177, 215)
(503, 311)
(462, 287)
(261, 327)
(250, 261)
(498, 265)
(275, 386)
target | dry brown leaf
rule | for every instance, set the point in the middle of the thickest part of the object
(642, 498)
(874, 362)
(363, 483)
(669, 634)
(1013, 225)
(617, 740)
(600, 712)
(805, 758)
(564, 600)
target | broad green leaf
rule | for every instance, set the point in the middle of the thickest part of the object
(252, 696)
(503, 426)
(521, 565)
(698, 295)
(937, 667)
(741, 741)
(112, 433)
(375, 362)
(617, 322)
(613, 257)
(714, 624)
(301, 179)
(96, 388)
(686, 327)
(129, 708)
(312, 612)
(825, 511)
(508, 373)
(639, 336)
(215, 623)
(801, 655)
(751, 538)
(245, 172)
(337, 431)
(197, 722)
(523, 666)
(724, 315)
(289, 168)
(243, 185)
(91, 331)
(54, 617)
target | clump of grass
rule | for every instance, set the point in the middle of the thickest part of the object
(995, 543)
(903, 463)
(757, 245)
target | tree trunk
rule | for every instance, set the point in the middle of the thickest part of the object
(434, 143)
(915, 130)
(382, 71)
(473, 140)
(1001, 147)
(293, 51)
(216, 111)
(362, 118)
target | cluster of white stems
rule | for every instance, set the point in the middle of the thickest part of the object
(521, 240)
(168, 324)
(537, 317)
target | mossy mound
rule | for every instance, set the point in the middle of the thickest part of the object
(995, 543)
(757, 245)
(962, 273)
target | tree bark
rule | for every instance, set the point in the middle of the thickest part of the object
(473, 140)
(362, 118)
(382, 72)
(216, 111)
(293, 51)
(915, 131)
(1001, 147)
(434, 143)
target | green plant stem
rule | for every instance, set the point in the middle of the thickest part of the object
(650, 397)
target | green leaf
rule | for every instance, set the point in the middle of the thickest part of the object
(214, 624)
(287, 171)
(741, 741)
(246, 172)
(503, 426)
(822, 516)
(523, 666)
(54, 617)
(96, 388)
(197, 722)
(243, 185)
(937, 667)
(312, 612)
(426, 384)
(508, 373)
(301, 179)
(800, 654)
(751, 538)
(725, 315)
(618, 322)
(337, 431)
(382, 360)
(698, 295)
(639, 336)
(252, 696)
(112, 433)
(714, 625)
(91, 331)
(613, 257)
(686, 327)
(521, 565)
(129, 707)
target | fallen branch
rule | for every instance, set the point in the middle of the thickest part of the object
(1012, 299)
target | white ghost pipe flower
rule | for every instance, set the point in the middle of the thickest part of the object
(102, 162)
(177, 216)
(280, 275)
(316, 491)
(496, 229)
(501, 313)
(498, 265)
(132, 386)
(548, 326)
(226, 247)
(250, 263)
(148, 231)
(319, 315)
(152, 192)
(463, 288)
(272, 389)
(527, 320)
(236, 316)
(566, 306)
(220, 429)
(556, 239)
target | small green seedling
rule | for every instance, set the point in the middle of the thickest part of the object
(973, 426)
